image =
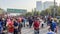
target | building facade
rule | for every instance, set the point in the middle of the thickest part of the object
(43, 5)
(39, 5)
(47, 4)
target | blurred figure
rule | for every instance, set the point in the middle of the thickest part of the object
(4, 24)
(53, 26)
(20, 24)
(1, 26)
(10, 26)
(36, 26)
(51, 32)
(49, 20)
(23, 21)
(30, 21)
(15, 26)
(42, 23)
(41, 20)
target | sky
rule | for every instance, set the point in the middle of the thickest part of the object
(20, 4)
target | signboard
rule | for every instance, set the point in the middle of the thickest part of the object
(16, 10)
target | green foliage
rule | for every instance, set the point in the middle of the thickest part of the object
(58, 11)
(1, 11)
(29, 14)
(50, 11)
(32, 13)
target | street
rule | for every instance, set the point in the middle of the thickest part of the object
(31, 31)
(26, 30)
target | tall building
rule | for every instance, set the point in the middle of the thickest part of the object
(39, 5)
(43, 5)
(47, 4)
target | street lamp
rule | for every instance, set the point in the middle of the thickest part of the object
(54, 8)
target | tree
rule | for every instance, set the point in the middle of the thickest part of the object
(46, 12)
(1, 11)
(58, 9)
(29, 14)
(50, 11)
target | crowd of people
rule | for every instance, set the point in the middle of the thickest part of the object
(13, 25)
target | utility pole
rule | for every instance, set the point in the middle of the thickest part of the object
(54, 9)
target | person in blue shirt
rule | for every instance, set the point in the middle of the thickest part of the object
(4, 20)
(1, 26)
(15, 27)
(53, 26)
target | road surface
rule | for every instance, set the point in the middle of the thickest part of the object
(26, 30)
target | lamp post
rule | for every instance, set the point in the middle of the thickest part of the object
(54, 8)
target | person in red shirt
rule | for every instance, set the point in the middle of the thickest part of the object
(20, 19)
(10, 27)
(36, 26)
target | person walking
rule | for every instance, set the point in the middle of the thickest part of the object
(36, 26)
(15, 26)
(10, 26)
(23, 21)
(53, 26)
(30, 22)
(4, 25)
(1, 26)
(20, 25)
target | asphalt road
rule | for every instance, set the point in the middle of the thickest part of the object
(26, 30)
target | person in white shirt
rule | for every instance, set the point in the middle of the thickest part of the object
(41, 23)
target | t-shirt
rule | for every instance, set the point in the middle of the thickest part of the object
(8, 21)
(1, 25)
(15, 24)
(10, 27)
(53, 25)
(36, 25)
(30, 21)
